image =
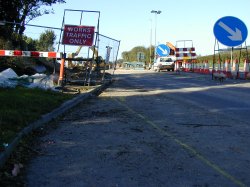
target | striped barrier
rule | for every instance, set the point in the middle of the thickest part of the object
(30, 54)
(186, 56)
(185, 53)
(185, 49)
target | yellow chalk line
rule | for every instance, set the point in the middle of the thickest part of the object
(185, 146)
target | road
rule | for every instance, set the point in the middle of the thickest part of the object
(151, 129)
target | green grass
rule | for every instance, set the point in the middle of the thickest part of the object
(21, 106)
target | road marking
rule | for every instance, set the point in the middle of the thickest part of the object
(184, 145)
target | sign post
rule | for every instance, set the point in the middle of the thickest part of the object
(231, 32)
(140, 56)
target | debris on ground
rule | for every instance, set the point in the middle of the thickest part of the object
(9, 79)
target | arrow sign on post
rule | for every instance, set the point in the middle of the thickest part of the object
(230, 31)
(162, 50)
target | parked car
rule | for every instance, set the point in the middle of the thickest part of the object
(164, 63)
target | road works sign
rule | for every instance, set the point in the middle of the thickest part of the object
(78, 35)
(230, 31)
(162, 50)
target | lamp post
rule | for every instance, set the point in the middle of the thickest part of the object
(155, 12)
(150, 53)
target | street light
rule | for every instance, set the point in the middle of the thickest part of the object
(150, 53)
(155, 12)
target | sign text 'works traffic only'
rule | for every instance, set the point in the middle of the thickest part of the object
(78, 35)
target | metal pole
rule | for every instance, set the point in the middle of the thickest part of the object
(150, 53)
(231, 54)
(59, 42)
(155, 28)
(95, 46)
(155, 12)
(214, 59)
(116, 57)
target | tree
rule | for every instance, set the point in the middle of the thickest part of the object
(126, 56)
(19, 13)
(30, 43)
(131, 55)
(7, 13)
(22, 11)
(46, 41)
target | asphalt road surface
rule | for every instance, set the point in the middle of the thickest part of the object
(151, 129)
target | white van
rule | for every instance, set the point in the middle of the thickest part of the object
(164, 63)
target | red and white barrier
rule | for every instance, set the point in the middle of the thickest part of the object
(184, 49)
(30, 53)
(186, 56)
(185, 53)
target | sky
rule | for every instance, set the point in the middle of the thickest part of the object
(132, 23)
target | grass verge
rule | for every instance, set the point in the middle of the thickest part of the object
(21, 106)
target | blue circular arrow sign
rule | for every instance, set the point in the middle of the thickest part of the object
(230, 31)
(162, 50)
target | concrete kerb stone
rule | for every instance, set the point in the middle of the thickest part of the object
(47, 118)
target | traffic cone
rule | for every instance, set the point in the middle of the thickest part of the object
(195, 67)
(202, 67)
(176, 66)
(218, 66)
(235, 69)
(189, 66)
(228, 68)
(246, 69)
(184, 66)
(206, 67)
